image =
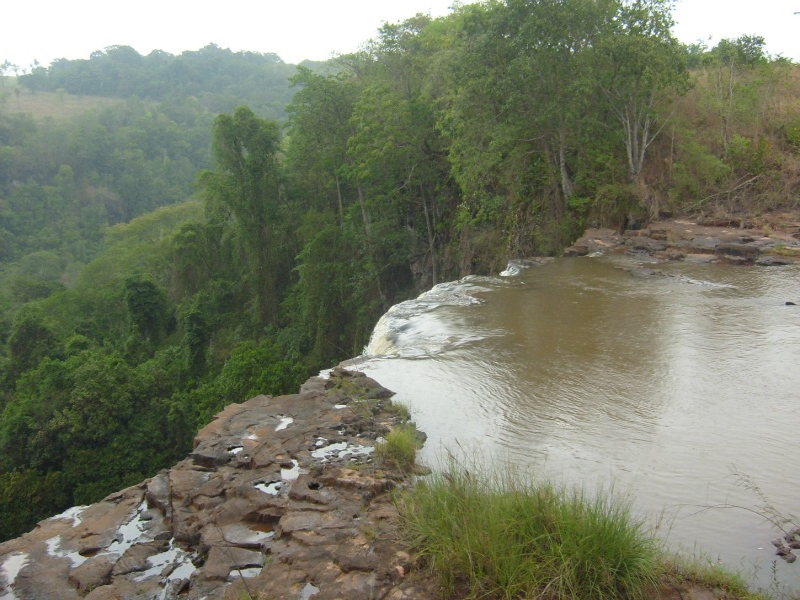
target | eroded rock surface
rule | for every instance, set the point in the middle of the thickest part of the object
(279, 495)
(773, 243)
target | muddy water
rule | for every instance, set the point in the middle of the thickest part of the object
(680, 389)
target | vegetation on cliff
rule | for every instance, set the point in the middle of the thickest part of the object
(132, 310)
(511, 537)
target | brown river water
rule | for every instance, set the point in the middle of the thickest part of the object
(680, 390)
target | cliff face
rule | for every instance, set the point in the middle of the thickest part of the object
(280, 497)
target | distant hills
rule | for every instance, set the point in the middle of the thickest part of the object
(218, 78)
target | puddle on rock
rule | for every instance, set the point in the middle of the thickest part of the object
(341, 450)
(308, 591)
(12, 565)
(178, 559)
(73, 513)
(285, 422)
(291, 474)
(262, 528)
(54, 549)
(270, 488)
(248, 573)
(131, 532)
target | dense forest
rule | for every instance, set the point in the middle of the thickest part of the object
(230, 224)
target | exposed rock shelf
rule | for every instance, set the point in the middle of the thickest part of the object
(772, 244)
(279, 496)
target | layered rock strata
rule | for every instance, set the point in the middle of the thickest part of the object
(700, 242)
(280, 498)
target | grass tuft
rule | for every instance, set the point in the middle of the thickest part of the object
(511, 537)
(400, 448)
(399, 410)
(711, 575)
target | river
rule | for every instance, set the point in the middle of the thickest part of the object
(680, 389)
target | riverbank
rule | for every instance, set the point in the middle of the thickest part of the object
(771, 240)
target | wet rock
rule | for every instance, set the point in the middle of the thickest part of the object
(676, 239)
(646, 244)
(703, 245)
(222, 560)
(104, 592)
(158, 493)
(772, 261)
(671, 254)
(206, 526)
(700, 259)
(744, 254)
(577, 249)
(595, 240)
(93, 573)
(135, 558)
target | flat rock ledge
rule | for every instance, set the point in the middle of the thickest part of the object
(739, 243)
(279, 499)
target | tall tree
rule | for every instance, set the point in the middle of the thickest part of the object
(246, 183)
(644, 64)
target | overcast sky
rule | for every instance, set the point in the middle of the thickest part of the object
(313, 29)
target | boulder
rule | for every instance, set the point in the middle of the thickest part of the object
(93, 573)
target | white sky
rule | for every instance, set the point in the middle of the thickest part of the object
(300, 29)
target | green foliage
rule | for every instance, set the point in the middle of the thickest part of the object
(31, 340)
(148, 310)
(219, 77)
(130, 313)
(697, 175)
(252, 369)
(246, 185)
(24, 495)
(507, 536)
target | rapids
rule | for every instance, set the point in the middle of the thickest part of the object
(678, 387)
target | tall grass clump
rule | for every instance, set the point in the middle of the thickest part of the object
(399, 451)
(511, 537)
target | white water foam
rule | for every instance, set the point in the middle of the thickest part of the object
(409, 330)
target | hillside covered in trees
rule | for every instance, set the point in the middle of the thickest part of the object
(232, 224)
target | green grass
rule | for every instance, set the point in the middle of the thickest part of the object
(399, 410)
(400, 448)
(511, 537)
(781, 250)
(711, 575)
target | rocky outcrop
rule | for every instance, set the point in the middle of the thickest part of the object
(701, 241)
(279, 497)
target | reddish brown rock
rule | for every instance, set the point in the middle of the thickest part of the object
(254, 486)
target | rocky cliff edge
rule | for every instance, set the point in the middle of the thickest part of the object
(279, 499)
